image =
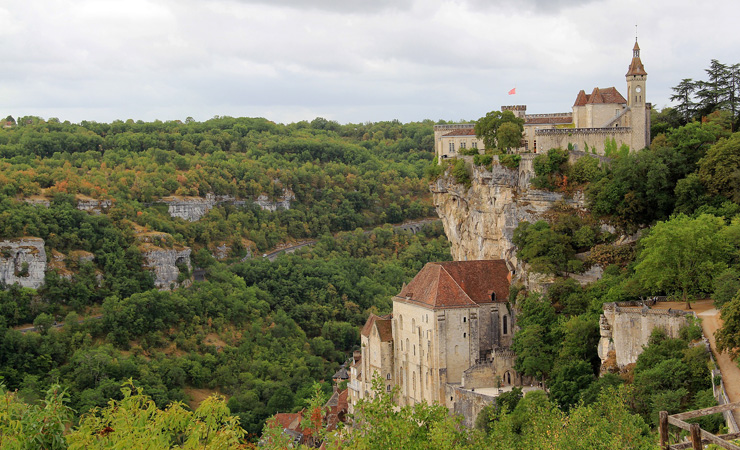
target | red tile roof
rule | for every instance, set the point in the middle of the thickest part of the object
(458, 284)
(599, 96)
(290, 421)
(462, 132)
(383, 324)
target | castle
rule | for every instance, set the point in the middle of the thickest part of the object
(449, 334)
(596, 118)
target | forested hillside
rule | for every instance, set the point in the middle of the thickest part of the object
(261, 333)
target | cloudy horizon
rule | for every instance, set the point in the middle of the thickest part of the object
(349, 61)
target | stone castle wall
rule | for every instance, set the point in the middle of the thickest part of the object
(626, 328)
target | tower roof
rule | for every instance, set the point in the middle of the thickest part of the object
(636, 67)
(458, 284)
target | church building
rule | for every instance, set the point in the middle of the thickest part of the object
(450, 332)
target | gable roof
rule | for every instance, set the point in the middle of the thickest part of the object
(461, 132)
(599, 96)
(383, 324)
(458, 284)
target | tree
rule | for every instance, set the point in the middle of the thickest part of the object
(713, 94)
(509, 136)
(728, 337)
(487, 129)
(681, 255)
(682, 94)
(719, 170)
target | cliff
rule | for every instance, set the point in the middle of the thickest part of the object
(480, 221)
(193, 208)
(165, 259)
(23, 261)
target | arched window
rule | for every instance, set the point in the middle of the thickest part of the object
(413, 324)
(465, 335)
(414, 349)
(388, 377)
(407, 344)
(400, 321)
(465, 319)
(506, 324)
(493, 296)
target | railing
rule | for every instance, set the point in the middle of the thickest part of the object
(698, 436)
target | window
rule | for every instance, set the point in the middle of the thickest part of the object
(465, 335)
(452, 147)
(493, 296)
(388, 377)
(414, 349)
(506, 324)
(474, 144)
(465, 319)
(388, 388)
(462, 144)
(400, 321)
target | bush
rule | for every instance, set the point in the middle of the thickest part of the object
(460, 173)
(483, 160)
(510, 161)
(585, 170)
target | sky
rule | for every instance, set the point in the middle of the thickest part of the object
(351, 61)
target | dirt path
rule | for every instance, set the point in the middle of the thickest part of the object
(710, 323)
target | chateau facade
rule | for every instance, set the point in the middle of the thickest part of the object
(596, 118)
(450, 333)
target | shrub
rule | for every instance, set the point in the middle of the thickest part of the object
(510, 161)
(460, 173)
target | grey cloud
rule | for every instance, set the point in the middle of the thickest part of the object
(341, 6)
(536, 6)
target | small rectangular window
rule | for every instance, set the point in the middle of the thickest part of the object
(452, 147)
(462, 144)
(475, 144)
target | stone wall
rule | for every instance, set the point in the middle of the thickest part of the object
(23, 261)
(580, 137)
(468, 404)
(626, 327)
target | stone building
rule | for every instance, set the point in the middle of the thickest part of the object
(595, 118)
(449, 334)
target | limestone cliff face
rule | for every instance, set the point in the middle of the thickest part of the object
(480, 221)
(23, 261)
(164, 259)
(193, 208)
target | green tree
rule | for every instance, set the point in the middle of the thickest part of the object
(683, 95)
(728, 336)
(719, 170)
(681, 255)
(487, 129)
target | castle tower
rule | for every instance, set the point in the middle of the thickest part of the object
(636, 101)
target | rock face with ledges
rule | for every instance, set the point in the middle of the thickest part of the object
(480, 221)
(23, 261)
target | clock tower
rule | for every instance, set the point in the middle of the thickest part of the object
(636, 101)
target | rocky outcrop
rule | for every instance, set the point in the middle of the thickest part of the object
(189, 208)
(93, 205)
(480, 221)
(283, 202)
(23, 261)
(166, 260)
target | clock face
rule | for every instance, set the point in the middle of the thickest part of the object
(638, 89)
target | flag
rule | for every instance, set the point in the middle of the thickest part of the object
(512, 92)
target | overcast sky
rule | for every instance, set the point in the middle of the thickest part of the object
(346, 60)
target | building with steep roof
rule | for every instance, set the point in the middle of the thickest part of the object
(602, 116)
(450, 332)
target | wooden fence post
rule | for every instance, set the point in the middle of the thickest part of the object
(696, 436)
(663, 427)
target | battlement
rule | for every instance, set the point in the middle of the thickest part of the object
(563, 115)
(582, 131)
(454, 126)
(514, 108)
